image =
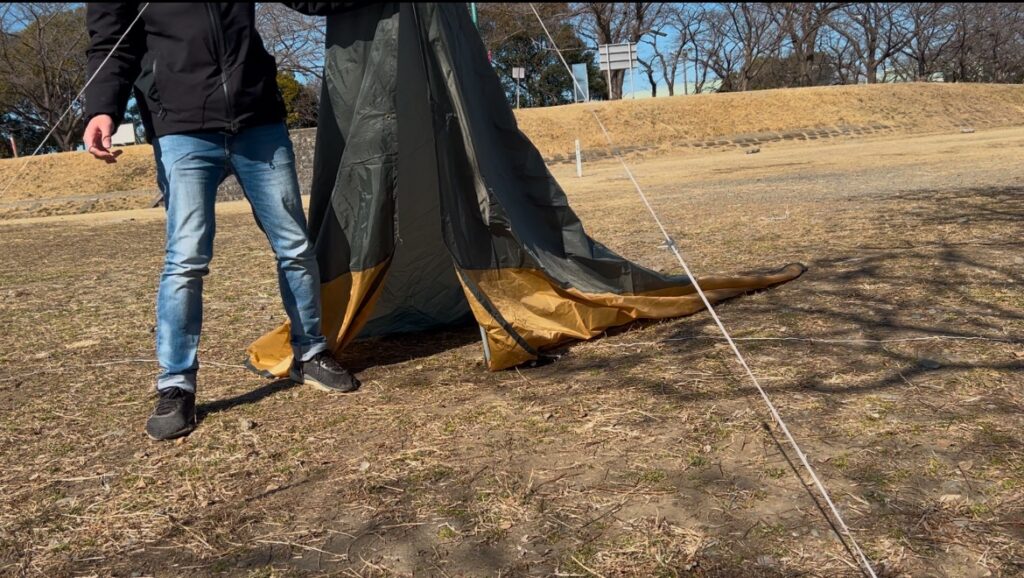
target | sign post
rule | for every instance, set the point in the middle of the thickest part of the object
(518, 74)
(609, 69)
(618, 57)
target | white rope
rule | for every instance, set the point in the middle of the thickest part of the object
(560, 57)
(862, 558)
(72, 105)
(743, 362)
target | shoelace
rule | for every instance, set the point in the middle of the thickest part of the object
(329, 363)
(169, 400)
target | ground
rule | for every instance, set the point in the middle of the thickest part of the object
(896, 361)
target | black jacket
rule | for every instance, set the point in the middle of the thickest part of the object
(193, 66)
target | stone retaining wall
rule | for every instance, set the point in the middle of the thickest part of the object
(740, 141)
(304, 142)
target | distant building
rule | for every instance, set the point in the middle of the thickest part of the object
(125, 135)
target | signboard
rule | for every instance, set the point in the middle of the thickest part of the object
(518, 73)
(581, 88)
(617, 56)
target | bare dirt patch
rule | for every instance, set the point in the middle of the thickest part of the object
(641, 453)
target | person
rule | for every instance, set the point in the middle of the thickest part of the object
(207, 91)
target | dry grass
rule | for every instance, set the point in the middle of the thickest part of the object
(73, 183)
(668, 122)
(78, 174)
(641, 453)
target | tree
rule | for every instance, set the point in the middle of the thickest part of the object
(987, 45)
(684, 21)
(295, 40)
(678, 26)
(842, 54)
(42, 69)
(875, 32)
(776, 71)
(715, 51)
(514, 38)
(744, 37)
(25, 137)
(705, 39)
(930, 33)
(297, 43)
(1000, 34)
(300, 101)
(619, 22)
(802, 23)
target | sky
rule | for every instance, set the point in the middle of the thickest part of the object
(642, 85)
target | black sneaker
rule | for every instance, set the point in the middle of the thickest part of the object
(174, 416)
(325, 373)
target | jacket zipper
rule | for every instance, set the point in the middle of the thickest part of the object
(218, 39)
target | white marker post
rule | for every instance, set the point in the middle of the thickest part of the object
(579, 160)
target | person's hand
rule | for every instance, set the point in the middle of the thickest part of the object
(98, 138)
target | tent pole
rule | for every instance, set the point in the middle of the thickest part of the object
(487, 349)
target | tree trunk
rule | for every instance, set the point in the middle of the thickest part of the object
(871, 71)
(615, 89)
(653, 81)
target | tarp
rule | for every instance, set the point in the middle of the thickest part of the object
(429, 206)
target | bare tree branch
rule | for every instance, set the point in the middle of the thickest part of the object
(295, 40)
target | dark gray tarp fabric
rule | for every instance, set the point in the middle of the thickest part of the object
(428, 203)
(375, 188)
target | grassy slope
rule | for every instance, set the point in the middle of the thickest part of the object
(914, 108)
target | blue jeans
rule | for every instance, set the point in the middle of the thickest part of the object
(189, 169)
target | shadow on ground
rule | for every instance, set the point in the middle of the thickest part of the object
(635, 454)
(960, 287)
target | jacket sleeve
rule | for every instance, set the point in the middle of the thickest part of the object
(325, 8)
(109, 91)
